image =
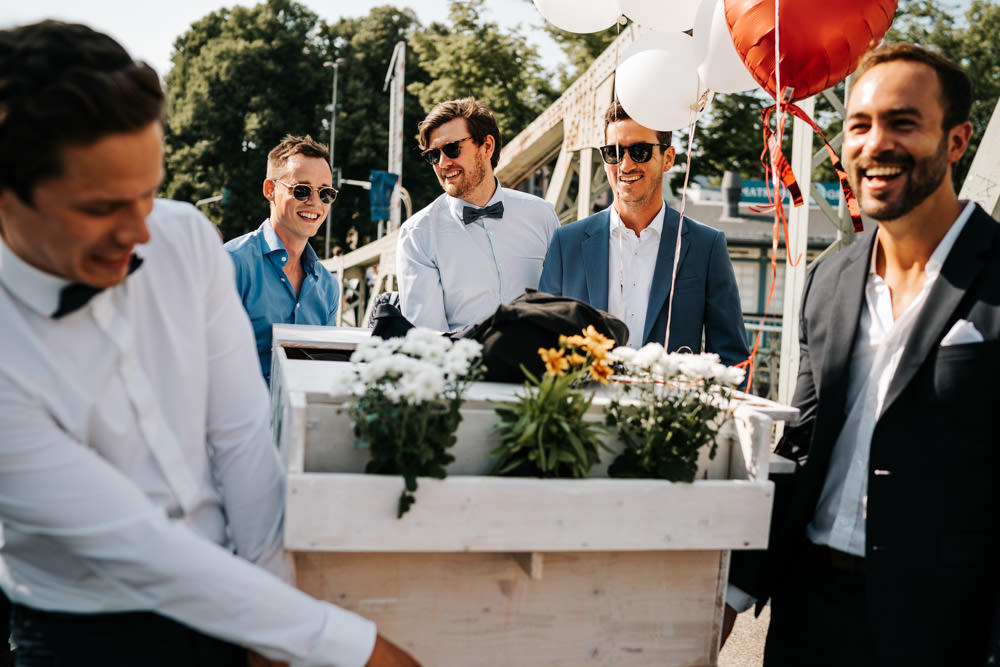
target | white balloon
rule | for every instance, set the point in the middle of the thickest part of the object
(580, 15)
(664, 15)
(721, 68)
(657, 81)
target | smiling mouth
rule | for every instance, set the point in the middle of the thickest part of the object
(622, 178)
(882, 171)
(448, 175)
(309, 215)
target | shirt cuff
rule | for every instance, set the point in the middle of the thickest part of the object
(738, 599)
(348, 640)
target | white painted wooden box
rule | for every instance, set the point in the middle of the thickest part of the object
(513, 571)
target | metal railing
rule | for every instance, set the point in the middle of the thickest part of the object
(765, 373)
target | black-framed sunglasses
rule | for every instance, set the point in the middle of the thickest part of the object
(640, 152)
(452, 150)
(303, 192)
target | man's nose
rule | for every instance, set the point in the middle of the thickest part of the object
(132, 228)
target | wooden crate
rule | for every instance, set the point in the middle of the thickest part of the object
(514, 571)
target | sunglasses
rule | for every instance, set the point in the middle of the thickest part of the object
(303, 192)
(452, 150)
(641, 152)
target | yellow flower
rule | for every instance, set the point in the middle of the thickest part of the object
(572, 341)
(600, 371)
(577, 359)
(555, 360)
(597, 344)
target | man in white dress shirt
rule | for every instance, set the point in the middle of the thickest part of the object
(885, 543)
(140, 492)
(478, 245)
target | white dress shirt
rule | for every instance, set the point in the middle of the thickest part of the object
(452, 274)
(839, 521)
(631, 261)
(136, 454)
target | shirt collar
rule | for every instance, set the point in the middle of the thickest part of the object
(455, 205)
(656, 225)
(33, 287)
(933, 267)
(271, 244)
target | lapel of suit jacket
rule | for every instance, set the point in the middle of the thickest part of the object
(846, 300)
(596, 237)
(660, 289)
(963, 264)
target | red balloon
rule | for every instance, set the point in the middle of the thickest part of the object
(820, 42)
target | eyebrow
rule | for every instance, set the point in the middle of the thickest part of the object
(891, 113)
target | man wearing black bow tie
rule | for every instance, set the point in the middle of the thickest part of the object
(141, 496)
(885, 550)
(478, 245)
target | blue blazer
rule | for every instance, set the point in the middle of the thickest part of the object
(707, 299)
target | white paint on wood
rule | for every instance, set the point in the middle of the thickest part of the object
(351, 512)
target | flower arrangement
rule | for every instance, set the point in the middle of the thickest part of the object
(405, 403)
(544, 434)
(678, 403)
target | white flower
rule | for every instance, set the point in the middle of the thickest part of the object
(646, 356)
(467, 349)
(622, 354)
(732, 376)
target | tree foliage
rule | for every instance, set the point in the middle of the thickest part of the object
(241, 79)
(473, 57)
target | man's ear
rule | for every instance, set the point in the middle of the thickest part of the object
(958, 141)
(489, 145)
(669, 155)
(268, 189)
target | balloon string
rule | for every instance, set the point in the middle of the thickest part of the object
(680, 228)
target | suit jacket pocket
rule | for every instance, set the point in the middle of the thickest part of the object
(962, 371)
(969, 550)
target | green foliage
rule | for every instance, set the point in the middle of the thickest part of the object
(472, 57)
(362, 144)
(663, 433)
(408, 439)
(972, 43)
(546, 433)
(241, 79)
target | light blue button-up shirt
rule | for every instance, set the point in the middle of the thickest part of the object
(452, 274)
(260, 258)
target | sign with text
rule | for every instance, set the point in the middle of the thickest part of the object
(755, 192)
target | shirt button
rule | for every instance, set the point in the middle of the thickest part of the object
(282, 280)
(298, 305)
(284, 259)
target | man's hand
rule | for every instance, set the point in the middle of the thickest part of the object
(387, 654)
(257, 660)
(728, 619)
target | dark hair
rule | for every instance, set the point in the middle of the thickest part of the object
(65, 84)
(292, 145)
(477, 116)
(956, 89)
(616, 112)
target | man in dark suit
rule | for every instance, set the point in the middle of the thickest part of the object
(621, 260)
(885, 545)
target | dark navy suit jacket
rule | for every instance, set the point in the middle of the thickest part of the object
(706, 299)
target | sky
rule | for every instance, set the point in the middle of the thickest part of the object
(148, 30)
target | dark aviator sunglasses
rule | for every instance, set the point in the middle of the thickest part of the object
(303, 192)
(640, 152)
(451, 150)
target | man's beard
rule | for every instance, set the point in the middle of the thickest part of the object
(923, 178)
(470, 180)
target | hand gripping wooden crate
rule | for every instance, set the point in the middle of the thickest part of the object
(514, 571)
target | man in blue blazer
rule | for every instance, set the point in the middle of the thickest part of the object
(621, 259)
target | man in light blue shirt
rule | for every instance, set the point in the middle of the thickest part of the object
(477, 245)
(278, 274)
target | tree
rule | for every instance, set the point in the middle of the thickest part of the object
(362, 142)
(472, 57)
(241, 79)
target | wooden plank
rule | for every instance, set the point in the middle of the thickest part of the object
(479, 609)
(351, 512)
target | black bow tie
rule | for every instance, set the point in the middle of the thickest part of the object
(75, 296)
(471, 214)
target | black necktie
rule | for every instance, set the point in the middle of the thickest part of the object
(471, 214)
(76, 295)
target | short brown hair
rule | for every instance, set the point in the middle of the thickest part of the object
(63, 84)
(478, 118)
(616, 112)
(292, 145)
(956, 89)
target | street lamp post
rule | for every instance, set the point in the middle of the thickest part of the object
(335, 65)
